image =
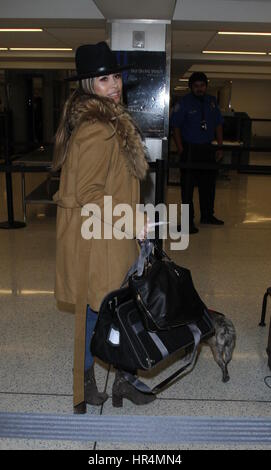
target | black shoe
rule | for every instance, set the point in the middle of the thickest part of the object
(123, 389)
(80, 409)
(192, 229)
(211, 221)
(92, 395)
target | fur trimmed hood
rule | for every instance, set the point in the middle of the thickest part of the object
(93, 108)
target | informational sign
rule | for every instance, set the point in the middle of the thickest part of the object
(144, 89)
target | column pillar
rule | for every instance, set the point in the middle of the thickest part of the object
(147, 86)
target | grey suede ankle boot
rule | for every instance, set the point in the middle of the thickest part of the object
(123, 389)
(92, 395)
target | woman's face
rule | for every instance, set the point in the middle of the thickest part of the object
(109, 86)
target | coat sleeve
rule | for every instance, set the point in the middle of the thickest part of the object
(95, 154)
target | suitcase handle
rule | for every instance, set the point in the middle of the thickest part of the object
(186, 362)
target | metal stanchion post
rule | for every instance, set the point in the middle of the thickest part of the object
(10, 223)
(159, 193)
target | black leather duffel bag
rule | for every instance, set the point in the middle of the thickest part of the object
(163, 291)
(120, 338)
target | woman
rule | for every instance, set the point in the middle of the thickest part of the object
(100, 153)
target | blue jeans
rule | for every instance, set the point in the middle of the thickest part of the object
(91, 318)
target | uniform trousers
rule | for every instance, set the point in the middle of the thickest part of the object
(205, 179)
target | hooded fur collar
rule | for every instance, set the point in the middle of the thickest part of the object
(85, 107)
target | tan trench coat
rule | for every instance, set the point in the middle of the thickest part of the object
(87, 270)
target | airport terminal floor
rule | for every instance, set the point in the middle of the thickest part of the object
(231, 270)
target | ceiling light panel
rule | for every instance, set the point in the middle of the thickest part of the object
(242, 33)
(23, 39)
(190, 41)
(21, 30)
(235, 52)
(62, 49)
(239, 42)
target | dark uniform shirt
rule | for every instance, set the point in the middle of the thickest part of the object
(189, 114)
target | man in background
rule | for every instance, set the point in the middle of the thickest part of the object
(196, 121)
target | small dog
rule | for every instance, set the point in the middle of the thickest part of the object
(222, 343)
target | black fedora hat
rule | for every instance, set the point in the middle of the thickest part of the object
(94, 60)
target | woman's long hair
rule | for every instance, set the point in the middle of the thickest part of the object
(65, 127)
(84, 104)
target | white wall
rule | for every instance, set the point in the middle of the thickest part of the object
(254, 98)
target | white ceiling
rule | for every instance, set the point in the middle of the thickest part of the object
(130, 9)
(243, 43)
(196, 41)
(188, 41)
(78, 9)
(69, 23)
(241, 11)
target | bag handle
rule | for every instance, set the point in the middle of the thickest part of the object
(160, 250)
(186, 362)
(146, 248)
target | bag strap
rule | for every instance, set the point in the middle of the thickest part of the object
(146, 248)
(186, 362)
(160, 251)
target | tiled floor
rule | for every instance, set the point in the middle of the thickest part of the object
(231, 270)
